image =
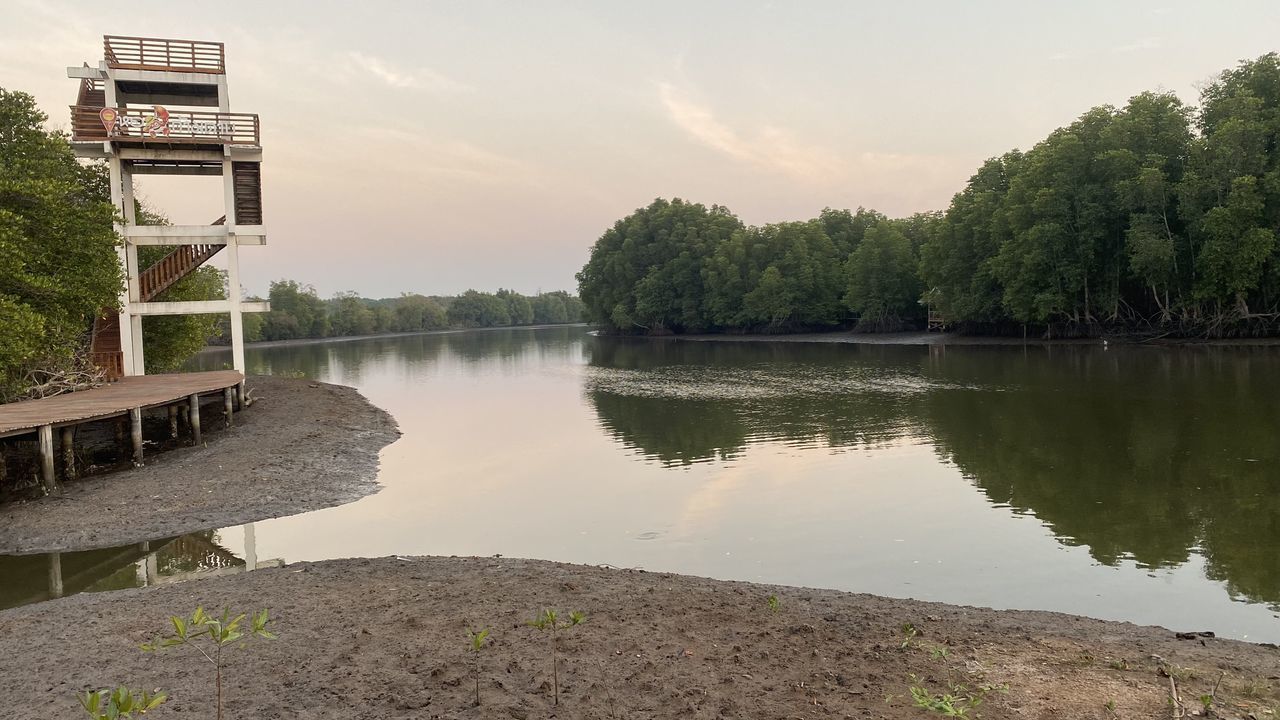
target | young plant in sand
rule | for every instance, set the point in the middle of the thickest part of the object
(958, 701)
(774, 603)
(122, 703)
(202, 630)
(476, 639)
(550, 620)
(909, 633)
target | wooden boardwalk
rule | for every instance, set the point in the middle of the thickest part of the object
(125, 398)
(118, 398)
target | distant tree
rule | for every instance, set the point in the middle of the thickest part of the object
(296, 312)
(645, 273)
(478, 309)
(519, 309)
(350, 315)
(415, 312)
(548, 309)
(883, 283)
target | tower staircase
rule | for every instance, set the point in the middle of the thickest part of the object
(105, 349)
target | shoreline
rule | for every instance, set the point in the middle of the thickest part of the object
(379, 336)
(386, 638)
(922, 338)
(302, 445)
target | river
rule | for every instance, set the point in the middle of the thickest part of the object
(1124, 483)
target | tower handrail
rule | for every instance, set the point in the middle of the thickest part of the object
(180, 126)
(163, 54)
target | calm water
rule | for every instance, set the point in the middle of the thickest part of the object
(1136, 484)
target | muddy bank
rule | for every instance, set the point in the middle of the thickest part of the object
(302, 445)
(386, 638)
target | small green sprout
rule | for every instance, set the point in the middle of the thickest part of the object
(550, 620)
(774, 603)
(909, 632)
(121, 703)
(477, 640)
(217, 631)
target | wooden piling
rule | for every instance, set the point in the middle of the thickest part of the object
(69, 452)
(241, 396)
(47, 478)
(193, 416)
(228, 402)
(135, 433)
(173, 422)
(55, 575)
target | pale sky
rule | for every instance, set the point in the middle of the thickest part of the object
(433, 147)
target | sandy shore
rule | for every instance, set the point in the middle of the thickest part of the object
(302, 445)
(386, 638)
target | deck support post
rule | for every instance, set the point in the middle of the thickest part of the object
(135, 432)
(47, 478)
(228, 404)
(193, 416)
(55, 575)
(173, 422)
(241, 396)
(69, 452)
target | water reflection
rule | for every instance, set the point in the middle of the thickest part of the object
(32, 578)
(1142, 454)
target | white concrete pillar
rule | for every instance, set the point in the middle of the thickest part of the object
(115, 175)
(135, 362)
(250, 548)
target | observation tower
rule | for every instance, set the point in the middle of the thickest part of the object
(156, 106)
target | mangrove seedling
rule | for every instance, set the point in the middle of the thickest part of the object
(774, 603)
(122, 703)
(202, 629)
(550, 620)
(476, 639)
(909, 632)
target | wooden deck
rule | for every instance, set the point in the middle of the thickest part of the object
(118, 398)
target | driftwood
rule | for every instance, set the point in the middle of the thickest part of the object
(48, 383)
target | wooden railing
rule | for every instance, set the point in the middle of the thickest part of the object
(138, 53)
(112, 364)
(180, 126)
(171, 268)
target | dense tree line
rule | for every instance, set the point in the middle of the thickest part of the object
(58, 262)
(297, 311)
(1152, 217)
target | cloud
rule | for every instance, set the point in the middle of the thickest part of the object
(390, 75)
(1147, 43)
(767, 146)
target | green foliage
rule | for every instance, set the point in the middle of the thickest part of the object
(1153, 216)
(773, 603)
(296, 312)
(122, 703)
(646, 272)
(549, 620)
(956, 701)
(474, 309)
(58, 262)
(350, 315)
(883, 287)
(476, 639)
(202, 630)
